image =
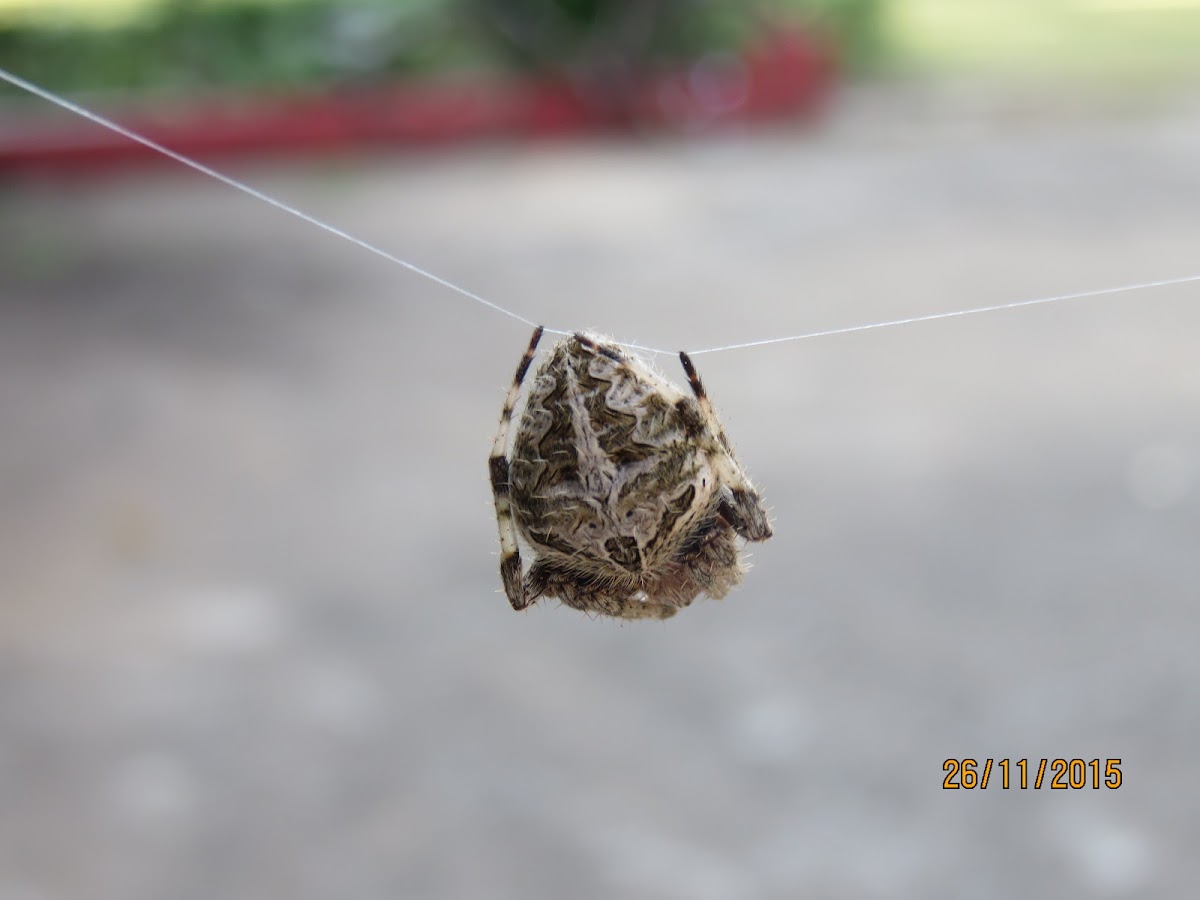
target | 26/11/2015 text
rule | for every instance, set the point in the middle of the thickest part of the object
(1064, 774)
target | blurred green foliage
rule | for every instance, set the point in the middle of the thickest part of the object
(185, 45)
(856, 26)
(181, 45)
(573, 35)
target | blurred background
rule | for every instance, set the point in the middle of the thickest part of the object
(252, 637)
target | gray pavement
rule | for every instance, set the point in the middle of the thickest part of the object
(252, 642)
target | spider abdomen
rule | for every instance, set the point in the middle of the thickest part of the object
(601, 465)
(621, 486)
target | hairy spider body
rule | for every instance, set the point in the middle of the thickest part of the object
(625, 488)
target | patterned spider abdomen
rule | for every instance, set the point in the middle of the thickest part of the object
(601, 466)
(624, 486)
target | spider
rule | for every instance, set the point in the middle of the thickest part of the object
(626, 489)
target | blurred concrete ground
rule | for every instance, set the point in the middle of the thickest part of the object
(252, 641)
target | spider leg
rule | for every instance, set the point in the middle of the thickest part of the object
(598, 596)
(510, 555)
(708, 562)
(645, 609)
(619, 607)
(742, 504)
(706, 409)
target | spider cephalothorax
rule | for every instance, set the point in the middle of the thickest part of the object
(626, 488)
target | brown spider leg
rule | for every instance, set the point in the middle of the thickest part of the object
(710, 417)
(743, 505)
(591, 346)
(645, 609)
(604, 597)
(510, 555)
(708, 562)
(619, 607)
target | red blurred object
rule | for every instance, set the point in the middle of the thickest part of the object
(788, 74)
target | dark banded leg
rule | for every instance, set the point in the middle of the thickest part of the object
(710, 416)
(510, 555)
(588, 344)
(743, 505)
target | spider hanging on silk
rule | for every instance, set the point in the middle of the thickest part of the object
(626, 489)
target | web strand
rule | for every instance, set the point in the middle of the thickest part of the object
(1079, 295)
(98, 119)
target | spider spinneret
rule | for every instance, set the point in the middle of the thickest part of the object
(625, 488)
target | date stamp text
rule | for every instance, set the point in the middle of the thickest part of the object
(1023, 774)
